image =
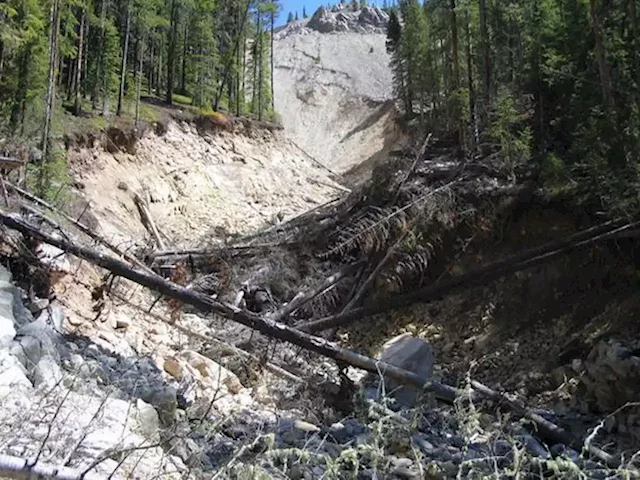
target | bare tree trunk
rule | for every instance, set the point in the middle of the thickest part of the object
(601, 54)
(54, 19)
(103, 14)
(123, 68)
(171, 50)
(273, 98)
(256, 61)
(456, 71)
(77, 104)
(472, 90)
(183, 80)
(239, 68)
(139, 81)
(260, 75)
(486, 63)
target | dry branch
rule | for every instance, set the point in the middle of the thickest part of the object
(305, 297)
(82, 227)
(481, 276)
(147, 221)
(248, 319)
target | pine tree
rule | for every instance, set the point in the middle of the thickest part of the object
(290, 18)
(304, 12)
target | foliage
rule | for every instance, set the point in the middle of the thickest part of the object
(546, 80)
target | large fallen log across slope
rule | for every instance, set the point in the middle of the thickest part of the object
(483, 275)
(248, 319)
(545, 428)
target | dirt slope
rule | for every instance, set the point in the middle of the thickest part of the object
(199, 185)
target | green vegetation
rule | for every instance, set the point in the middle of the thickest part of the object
(553, 83)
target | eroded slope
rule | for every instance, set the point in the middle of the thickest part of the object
(334, 86)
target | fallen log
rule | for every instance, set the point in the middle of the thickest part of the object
(147, 221)
(266, 326)
(80, 226)
(305, 297)
(248, 319)
(481, 276)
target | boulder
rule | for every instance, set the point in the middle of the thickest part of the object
(47, 373)
(409, 353)
(7, 300)
(212, 372)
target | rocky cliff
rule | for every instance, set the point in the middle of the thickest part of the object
(333, 86)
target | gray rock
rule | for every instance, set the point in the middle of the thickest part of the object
(12, 373)
(165, 401)
(292, 431)
(409, 353)
(47, 373)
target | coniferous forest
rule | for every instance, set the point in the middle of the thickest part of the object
(98, 57)
(553, 82)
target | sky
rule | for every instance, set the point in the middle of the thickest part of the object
(310, 5)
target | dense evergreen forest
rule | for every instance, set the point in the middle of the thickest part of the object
(100, 56)
(554, 82)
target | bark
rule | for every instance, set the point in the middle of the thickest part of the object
(139, 81)
(20, 468)
(123, 68)
(147, 220)
(273, 98)
(256, 62)
(77, 104)
(456, 71)
(471, 85)
(183, 79)
(94, 100)
(171, 50)
(54, 18)
(486, 63)
(601, 54)
(481, 276)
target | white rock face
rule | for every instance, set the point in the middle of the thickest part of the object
(334, 91)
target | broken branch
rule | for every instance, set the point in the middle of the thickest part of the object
(80, 226)
(248, 319)
(480, 276)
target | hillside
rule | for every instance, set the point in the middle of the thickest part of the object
(333, 86)
(424, 268)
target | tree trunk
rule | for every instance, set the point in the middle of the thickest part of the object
(139, 81)
(123, 68)
(456, 72)
(171, 50)
(239, 71)
(17, 109)
(472, 90)
(77, 104)
(260, 75)
(183, 79)
(273, 98)
(49, 108)
(256, 62)
(601, 54)
(96, 89)
(486, 62)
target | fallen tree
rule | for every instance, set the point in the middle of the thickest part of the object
(481, 276)
(546, 429)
